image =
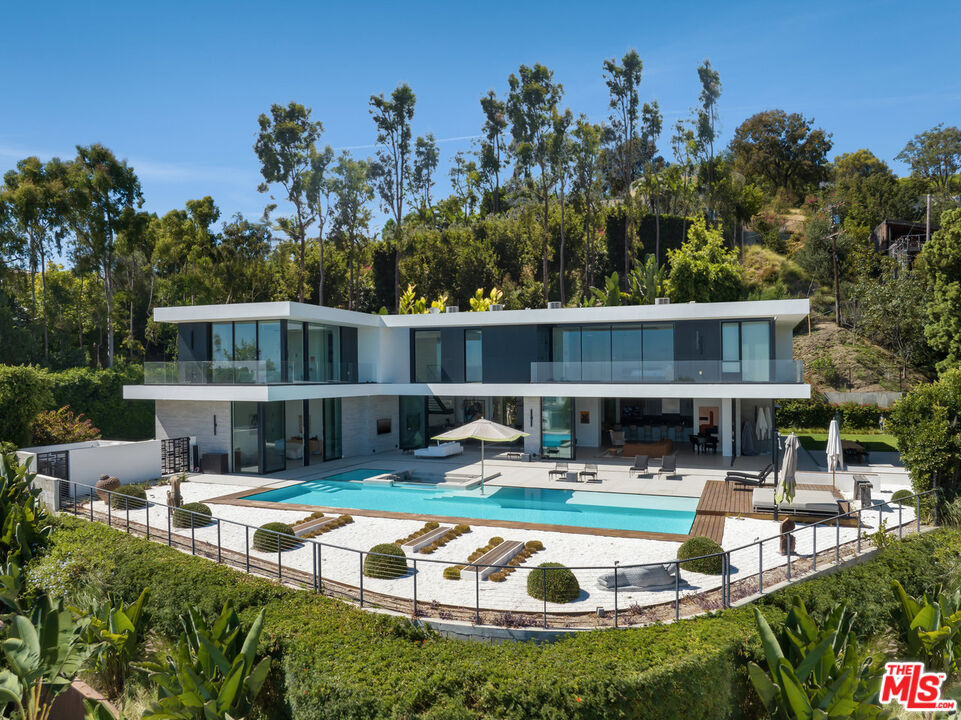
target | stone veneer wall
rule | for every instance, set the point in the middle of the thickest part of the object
(360, 416)
(177, 418)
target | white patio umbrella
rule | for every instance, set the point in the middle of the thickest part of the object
(485, 431)
(788, 484)
(834, 450)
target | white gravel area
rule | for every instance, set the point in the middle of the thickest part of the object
(571, 549)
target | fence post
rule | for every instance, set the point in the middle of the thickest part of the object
(279, 560)
(544, 576)
(900, 521)
(476, 595)
(760, 568)
(109, 511)
(918, 499)
(859, 531)
(170, 537)
(147, 508)
(415, 587)
(247, 548)
(320, 567)
(90, 503)
(677, 590)
(790, 542)
(127, 508)
(219, 553)
(361, 555)
(935, 507)
(814, 540)
(615, 593)
(313, 560)
(837, 541)
(193, 542)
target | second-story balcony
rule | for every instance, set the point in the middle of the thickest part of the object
(252, 372)
(669, 371)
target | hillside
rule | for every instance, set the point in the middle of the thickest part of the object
(837, 359)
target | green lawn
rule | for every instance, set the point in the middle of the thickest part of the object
(872, 442)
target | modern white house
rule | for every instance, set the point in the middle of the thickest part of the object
(263, 387)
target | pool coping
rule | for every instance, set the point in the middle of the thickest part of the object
(240, 498)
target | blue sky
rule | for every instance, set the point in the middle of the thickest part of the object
(176, 88)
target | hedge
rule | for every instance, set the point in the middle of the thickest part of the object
(334, 661)
(24, 392)
(818, 413)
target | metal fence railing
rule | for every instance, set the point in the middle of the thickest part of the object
(746, 570)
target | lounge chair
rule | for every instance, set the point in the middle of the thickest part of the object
(559, 472)
(806, 502)
(649, 577)
(639, 466)
(589, 473)
(668, 466)
(744, 478)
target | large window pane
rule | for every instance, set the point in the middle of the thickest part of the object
(626, 353)
(323, 353)
(332, 429)
(567, 354)
(270, 352)
(596, 354)
(658, 353)
(730, 347)
(245, 352)
(295, 351)
(557, 428)
(315, 431)
(427, 356)
(275, 444)
(222, 352)
(244, 426)
(755, 351)
(413, 422)
(473, 356)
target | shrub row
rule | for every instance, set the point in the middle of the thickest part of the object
(817, 412)
(452, 534)
(530, 547)
(332, 660)
(337, 522)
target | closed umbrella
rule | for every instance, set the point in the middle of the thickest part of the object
(834, 450)
(788, 484)
(485, 431)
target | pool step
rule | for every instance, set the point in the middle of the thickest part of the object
(500, 555)
(427, 538)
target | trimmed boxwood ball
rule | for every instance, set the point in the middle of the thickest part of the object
(697, 546)
(560, 583)
(129, 496)
(394, 565)
(195, 512)
(900, 495)
(266, 538)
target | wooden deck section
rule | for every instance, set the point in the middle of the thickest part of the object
(721, 499)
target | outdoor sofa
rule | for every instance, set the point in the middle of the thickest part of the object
(438, 451)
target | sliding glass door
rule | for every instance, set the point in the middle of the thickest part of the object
(245, 432)
(557, 428)
(333, 447)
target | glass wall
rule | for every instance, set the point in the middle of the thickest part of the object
(245, 352)
(295, 351)
(332, 429)
(567, 354)
(222, 352)
(626, 353)
(427, 356)
(269, 350)
(244, 431)
(756, 351)
(275, 445)
(473, 356)
(323, 353)
(658, 352)
(557, 428)
(730, 348)
(295, 442)
(413, 422)
(596, 354)
(315, 432)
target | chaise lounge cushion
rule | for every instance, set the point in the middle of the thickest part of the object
(814, 502)
(650, 577)
(651, 449)
(443, 450)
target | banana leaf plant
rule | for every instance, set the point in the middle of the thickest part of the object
(42, 654)
(931, 628)
(113, 631)
(213, 673)
(24, 525)
(816, 673)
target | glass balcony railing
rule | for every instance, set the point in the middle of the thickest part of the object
(669, 371)
(252, 372)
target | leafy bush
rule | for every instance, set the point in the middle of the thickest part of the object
(195, 513)
(24, 520)
(452, 572)
(98, 394)
(696, 547)
(133, 497)
(900, 495)
(817, 412)
(53, 427)
(24, 392)
(389, 562)
(556, 581)
(271, 537)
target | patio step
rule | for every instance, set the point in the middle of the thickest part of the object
(500, 555)
(427, 538)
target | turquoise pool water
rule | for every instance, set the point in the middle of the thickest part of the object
(578, 508)
(357, 474)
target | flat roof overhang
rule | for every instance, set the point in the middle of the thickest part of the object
(273, 393)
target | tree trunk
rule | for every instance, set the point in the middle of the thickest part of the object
(657, 233)
(397, 268)
(350, 260)
(588, 231)
(837, 287)
(43, 288)
(320, 282)
(547, 236)
(561, 278)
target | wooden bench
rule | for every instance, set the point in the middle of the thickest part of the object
(427, 538)
(500, 555)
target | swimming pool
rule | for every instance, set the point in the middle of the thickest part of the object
(577, 508)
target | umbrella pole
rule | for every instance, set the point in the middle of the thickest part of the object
(482, 467)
